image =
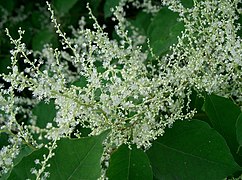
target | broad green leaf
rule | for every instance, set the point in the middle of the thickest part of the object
(129, 164)
(63, 6)
(73, 159)
(42, 38)
(163, 31)
(108, 5)
(25, 150)
(23, 169)
(223, 114)
(78, 159)
(191, 149)
(142, 21)
(239, 129)
(45, 113)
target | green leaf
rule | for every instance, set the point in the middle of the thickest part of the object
(45, 113)
(78, 159)
(63, 6)
(73, 159)
(108, 5)
(239, 129)
(23, 169)
(163, 31)
(223, 114)
(191, 149)
(142, 21)
(129, 164)
(42, 38)
(25, 150)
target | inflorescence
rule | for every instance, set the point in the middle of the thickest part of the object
(119, 91)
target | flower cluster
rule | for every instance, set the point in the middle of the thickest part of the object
(8, 154)
(110, 87)
(208, 54)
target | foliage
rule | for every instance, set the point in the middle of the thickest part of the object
(121, 89)
(126, 163)
(197, 148)
(81, 160)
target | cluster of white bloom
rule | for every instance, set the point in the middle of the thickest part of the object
(209, 52)
(8, 154)
(118, 91)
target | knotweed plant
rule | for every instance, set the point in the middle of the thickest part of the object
(105, 85)
(119, 93)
